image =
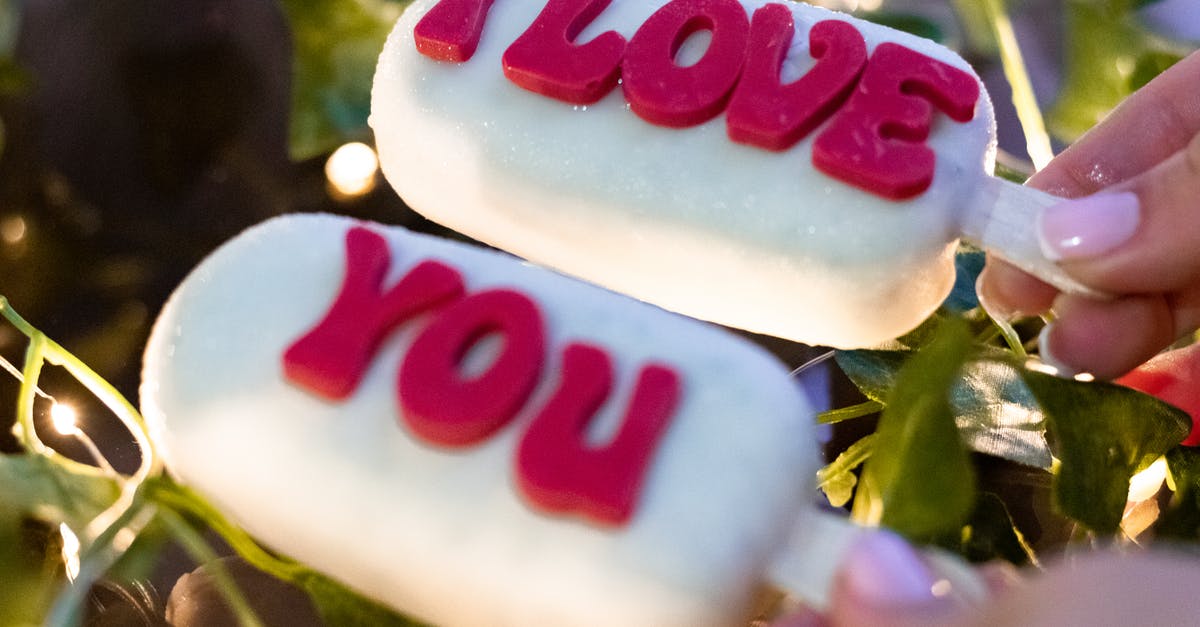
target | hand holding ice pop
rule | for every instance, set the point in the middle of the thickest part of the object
(1136, 237)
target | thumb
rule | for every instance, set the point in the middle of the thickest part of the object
(1141, 236)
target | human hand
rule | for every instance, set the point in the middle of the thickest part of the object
(1133, 232)
(883, 582)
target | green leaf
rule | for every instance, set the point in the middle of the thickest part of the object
(1150, 65)
(872, 371)
(1181, 519)
(340, 606)
(991, 534)
(29, 572)
(993, 408)
(49, 490)
(913, 23)
(997, 414)
(1103, 434)
(1106, 43)
(54, 490)
(337, 44)
(919, 480)
(837, 479)
(834, 416)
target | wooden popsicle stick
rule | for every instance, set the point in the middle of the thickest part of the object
(1002, 219)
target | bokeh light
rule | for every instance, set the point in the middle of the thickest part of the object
(351, 170)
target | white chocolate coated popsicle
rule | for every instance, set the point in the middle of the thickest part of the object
(684, 218)
(343, 479)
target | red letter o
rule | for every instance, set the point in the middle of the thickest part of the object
(662, 92)
(443, 406)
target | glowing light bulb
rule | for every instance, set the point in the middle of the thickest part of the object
(351, 170)
(64, 418)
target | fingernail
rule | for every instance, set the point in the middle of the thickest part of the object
(1087, 227)
(1047, 355)
(882, 568)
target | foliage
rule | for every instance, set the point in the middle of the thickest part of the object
(1109, 55)
(336, 44)
(1090, 436)
(924, 460)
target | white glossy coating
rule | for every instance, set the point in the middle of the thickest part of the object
(444, 536)
(683, 218)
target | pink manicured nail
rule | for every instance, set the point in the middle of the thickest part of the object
(884, 569)
(1048, 357)
(1089, 226)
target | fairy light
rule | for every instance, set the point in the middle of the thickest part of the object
(64, 418)
(351, 170)
(70, 551)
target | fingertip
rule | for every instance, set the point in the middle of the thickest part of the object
(884, 581)
(883, 568)
(1105, 338)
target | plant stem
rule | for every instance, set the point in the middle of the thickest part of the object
(27, 433)
(1010, 335)
(865, 408)
(181, 498)
(1037, 140)
(199, 551)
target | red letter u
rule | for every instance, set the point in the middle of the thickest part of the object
(558, 470)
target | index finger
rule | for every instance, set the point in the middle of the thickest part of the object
(1144, 130)
(1149, 126)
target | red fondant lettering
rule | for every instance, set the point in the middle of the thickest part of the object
(442, 405)
(559, 471)
(545, 59)
(331, 359)
(663, 92)
(766, 113)
(450, 31)
(876, 141)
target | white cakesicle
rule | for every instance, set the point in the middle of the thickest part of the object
(444, 534)
(683, 217)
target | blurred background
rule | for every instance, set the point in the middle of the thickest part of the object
(138, 135)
